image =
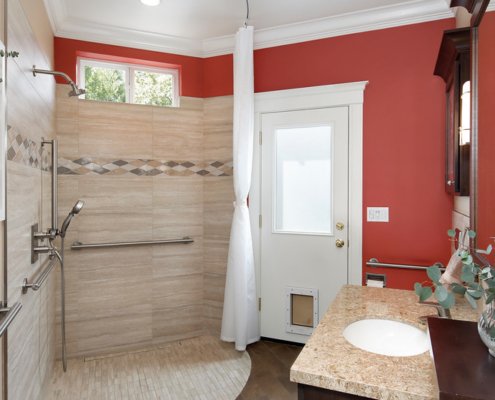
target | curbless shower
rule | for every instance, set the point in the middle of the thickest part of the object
(75, 90)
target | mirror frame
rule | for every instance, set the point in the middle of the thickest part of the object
(477, 9)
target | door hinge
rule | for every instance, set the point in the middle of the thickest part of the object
(261, 138)
(259, 303)
(260, 220)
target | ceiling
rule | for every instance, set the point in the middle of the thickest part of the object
(206, 27)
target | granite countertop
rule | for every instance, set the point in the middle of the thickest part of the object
(329, 361)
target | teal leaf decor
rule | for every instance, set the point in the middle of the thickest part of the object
(448, 302)
(441, 294)
(426, 293)
(470, 300)
(434, 274)
(418, 288)
(459, 289)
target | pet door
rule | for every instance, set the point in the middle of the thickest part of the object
(301, 310)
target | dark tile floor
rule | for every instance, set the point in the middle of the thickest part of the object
(270, 365)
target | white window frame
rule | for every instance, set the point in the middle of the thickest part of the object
(129, 71)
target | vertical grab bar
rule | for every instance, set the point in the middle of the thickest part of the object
(54, 160)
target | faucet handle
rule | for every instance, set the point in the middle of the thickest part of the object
(442, 311)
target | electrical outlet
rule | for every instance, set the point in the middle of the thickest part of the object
(377, 214)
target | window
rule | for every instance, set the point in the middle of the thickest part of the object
(303, 176)
(128, 83)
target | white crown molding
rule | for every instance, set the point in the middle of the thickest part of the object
(74, 28)
(379, 18)
(344, 24)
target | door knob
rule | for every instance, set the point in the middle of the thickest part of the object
(339, 243)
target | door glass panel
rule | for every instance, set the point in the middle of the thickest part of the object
(303, 180)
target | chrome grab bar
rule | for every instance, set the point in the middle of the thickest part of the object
(41, 278)
(54, 188)
(373, 262)
(9, 315)
(79, 245)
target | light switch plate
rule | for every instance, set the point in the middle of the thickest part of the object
(377, 214)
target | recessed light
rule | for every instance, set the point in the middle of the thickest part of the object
(150, 2)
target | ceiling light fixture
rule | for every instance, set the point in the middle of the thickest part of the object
(150, 2)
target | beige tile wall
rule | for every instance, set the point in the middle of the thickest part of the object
(31, 113)
(218, 208)
(125, 298)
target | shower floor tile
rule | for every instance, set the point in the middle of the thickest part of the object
(202, 368)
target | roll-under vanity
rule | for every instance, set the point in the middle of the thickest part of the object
(329, 367)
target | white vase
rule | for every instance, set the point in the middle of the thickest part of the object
(486, 327)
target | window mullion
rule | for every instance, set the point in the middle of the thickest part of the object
(131, 86)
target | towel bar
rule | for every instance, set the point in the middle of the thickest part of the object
(373, 262)
(79, 245)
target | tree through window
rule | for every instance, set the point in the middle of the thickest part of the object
(125, 83)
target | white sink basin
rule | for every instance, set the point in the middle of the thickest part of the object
(386, 337)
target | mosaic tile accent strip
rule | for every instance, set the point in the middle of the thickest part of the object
(26, 151)
(139, 167)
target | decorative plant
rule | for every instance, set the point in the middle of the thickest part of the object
(475, 281)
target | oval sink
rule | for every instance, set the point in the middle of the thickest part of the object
(386, 337)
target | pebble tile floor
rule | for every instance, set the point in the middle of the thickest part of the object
(202, 368)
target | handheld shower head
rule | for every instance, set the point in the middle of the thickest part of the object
(75, 210)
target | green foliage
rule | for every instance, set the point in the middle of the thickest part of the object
(423, 292)
(108, 84)
(478, 281)
(434, 274)
(153, 88)
(104, 84)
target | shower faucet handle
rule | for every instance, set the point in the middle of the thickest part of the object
(50, 234)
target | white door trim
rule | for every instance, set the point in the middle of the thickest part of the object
(345, 94)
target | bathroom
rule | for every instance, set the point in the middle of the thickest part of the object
(164, 175)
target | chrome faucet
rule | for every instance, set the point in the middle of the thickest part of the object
(442, 312)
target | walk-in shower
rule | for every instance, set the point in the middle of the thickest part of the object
(75, 90)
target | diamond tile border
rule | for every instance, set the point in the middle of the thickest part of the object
(27, 152)
(140, 167)
(30, 153)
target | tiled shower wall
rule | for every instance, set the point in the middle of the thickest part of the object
(30, 116)
(218, 208)
(144, 173)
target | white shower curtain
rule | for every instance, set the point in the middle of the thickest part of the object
(240, 314)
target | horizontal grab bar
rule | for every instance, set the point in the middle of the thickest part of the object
(9, 315)
(373, 262)
(79, 245)
(41, 278)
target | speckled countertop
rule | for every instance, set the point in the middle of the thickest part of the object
(329, 361)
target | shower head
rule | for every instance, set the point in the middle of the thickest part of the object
(75, 210)
(75, 90)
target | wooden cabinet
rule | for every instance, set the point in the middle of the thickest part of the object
(454, 67)
(306, 392)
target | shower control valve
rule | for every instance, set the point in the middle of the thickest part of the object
(51, 234)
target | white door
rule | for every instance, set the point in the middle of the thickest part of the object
(304, 208)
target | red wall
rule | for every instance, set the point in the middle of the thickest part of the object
(404, 146)
(486, 132)
(191, 68)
